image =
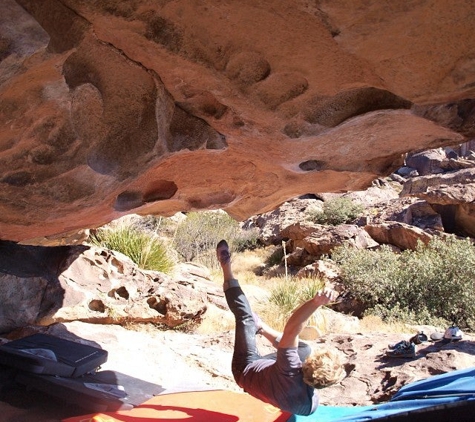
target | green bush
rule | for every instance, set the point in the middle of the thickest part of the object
(148, 252)
(196, 237)
(397, 315)
(336, 211)
(433, 282)
(287, 295)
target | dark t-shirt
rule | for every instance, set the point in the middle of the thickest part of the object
(280, 383)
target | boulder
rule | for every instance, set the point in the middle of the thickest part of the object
(318, 240)
(271, 224)
(96, 285)
(106, 287)
(427, 162)
(436, 161)
(377, 194)
(401, 235)
(405, 209)
(451, 195)
(323, 269)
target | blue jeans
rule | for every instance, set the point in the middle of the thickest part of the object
(245, 346)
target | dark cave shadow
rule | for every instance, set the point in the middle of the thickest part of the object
(47, 262)
(35, 261)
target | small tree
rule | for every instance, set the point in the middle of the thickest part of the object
(196, 237)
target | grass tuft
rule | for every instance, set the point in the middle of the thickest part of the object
(146, 250)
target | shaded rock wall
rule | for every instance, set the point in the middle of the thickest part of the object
(47, 285)
(110, 107)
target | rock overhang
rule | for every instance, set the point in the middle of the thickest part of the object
(111, 108)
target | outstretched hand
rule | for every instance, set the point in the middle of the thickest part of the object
(298, 320)
(325, 296)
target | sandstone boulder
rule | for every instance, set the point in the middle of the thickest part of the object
(451, 195)
(436, 161)
(271, 224)
(317, 240)
(95, 285)
(427, 162)
(408, 210)
(401, 235)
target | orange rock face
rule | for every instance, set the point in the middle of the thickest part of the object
(151, 107)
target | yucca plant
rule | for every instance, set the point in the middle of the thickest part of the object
(287, 295)
(146, 250)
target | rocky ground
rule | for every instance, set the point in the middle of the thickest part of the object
(179, 361)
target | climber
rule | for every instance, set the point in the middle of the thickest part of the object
(288, 380)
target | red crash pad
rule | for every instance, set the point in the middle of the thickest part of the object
(194, 406)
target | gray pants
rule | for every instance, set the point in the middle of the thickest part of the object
(245, 346)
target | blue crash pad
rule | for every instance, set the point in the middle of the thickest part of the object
(459, 383)
(329, 413)
(434, 394)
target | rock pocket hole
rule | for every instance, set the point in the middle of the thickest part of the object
(97, 305)
(312, 165)
(160, 190)
(128, 200)
(120, 292)
(158, 305)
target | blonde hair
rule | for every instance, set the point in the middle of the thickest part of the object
(323, 367)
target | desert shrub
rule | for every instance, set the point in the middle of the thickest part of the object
(246, 239)
(433, 282)
(286, 296)
(146, 250)
(336, 211)
(309, 288)
(163, 227)
(369, 274)
(397, 314)
(152, 224)
(196, 237)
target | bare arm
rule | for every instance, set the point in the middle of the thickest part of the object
(273, 336)
(299, 318)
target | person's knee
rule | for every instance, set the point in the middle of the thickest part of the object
(228, 284)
